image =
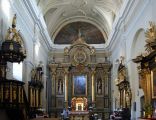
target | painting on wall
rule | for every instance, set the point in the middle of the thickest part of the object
(153, 81)
(79, 85)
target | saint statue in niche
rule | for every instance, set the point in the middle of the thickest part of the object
(60, 86)
(99, 86)
(33, 74)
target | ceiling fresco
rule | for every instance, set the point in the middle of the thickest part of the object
(69, 33)
(100, 13)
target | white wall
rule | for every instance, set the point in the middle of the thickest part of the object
(129, 42)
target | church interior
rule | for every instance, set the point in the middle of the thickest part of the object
(94, 58)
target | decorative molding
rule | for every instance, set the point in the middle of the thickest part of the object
(40, 22)
(123, 15)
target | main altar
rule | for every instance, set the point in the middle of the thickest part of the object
(79, 115)
(80, 80)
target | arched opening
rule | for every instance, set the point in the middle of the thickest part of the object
(137, 49)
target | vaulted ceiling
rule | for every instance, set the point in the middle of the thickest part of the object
(60, 13)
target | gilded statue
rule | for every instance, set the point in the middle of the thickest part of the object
(8, 35)
(92, 51)
(150, 34)
(33, 74)
(14, 21)
(12, 33)
(66, 50)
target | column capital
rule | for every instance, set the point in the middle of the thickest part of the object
(93, 72)
(53, 67)
(66, 70)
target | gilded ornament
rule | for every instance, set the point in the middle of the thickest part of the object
(12, 33)
(151, 33)
(66, 50)
(92, 51)
(80, 57)
(14, 21)
(8, 35)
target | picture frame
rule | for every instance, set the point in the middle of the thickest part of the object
(153, 83)
(80, 85)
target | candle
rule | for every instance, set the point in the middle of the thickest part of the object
(143, 113)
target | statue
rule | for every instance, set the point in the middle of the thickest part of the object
(12, 33)
(99, 86)
(33, 74)
(92, 51)
(18, 38)
(60, 86)
(8, 35)
(66, 50)
(39, 70)
(14, 21)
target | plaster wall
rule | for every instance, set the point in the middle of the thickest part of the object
(129, 42)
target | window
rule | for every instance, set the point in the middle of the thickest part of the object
(17, 71)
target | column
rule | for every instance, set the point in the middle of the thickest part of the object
(93, 85)
(148, 84)
(145, 82)
(53, 67)
(11, 92)
(36, 97)
(66, 87)
(40, 97)
(53, 74)
(30, 96)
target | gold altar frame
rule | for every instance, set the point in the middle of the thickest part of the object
(81, 88)
(153, 83)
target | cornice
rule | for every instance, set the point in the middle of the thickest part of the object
(112, 41)
(128, 7)
(38, 19)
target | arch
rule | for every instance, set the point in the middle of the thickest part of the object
(92, 35)
(91, 21)
(137, 48)
(139, 37)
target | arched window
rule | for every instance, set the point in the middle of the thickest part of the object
(17, 71)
